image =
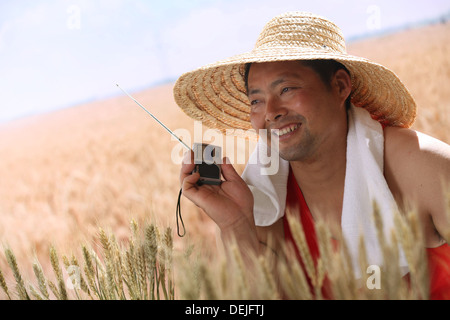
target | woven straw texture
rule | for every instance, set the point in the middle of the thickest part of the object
(215, 94)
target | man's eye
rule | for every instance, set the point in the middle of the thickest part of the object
(253, 102)
(285, 89)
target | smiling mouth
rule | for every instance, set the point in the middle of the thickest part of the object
(286, 130)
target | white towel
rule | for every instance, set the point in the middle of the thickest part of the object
(364, 183)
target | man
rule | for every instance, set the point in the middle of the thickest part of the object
(321, 105)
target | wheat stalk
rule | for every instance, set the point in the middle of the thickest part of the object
(189, 286)
(142, 269)
(446, 233)
(146, 268)
(54, 289)
(208, 285)
(242, 285)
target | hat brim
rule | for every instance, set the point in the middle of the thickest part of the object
(215, 94)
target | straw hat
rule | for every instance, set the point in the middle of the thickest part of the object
(215, 94)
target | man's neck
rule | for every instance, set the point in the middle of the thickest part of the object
(327, 166)
(322, 179)
(315, 176)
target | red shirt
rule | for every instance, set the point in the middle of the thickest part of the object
(439, 268)
(295, 199)
(438, 258)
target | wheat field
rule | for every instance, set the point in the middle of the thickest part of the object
(103, 164)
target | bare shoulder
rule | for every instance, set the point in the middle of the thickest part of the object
(407, 149)
(417, 169)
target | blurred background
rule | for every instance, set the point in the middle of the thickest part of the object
(76, 154)
(67, 52)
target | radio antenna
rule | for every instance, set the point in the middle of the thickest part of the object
(156, 119)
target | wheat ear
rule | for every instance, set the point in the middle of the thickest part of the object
(151, 246)
(89, 271)
(83, 285)
(20, 285)
(3, 285)
(34, 292)
(412, 241)
(141, 271)
(270, 286)
(130, 273)
(292, 278)
(108, 254)
(300, 240)
(57, 269)
(168, 259)
(42, 282)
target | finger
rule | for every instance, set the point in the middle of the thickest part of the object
(189, 185)
(187, 165)
(228, 171)
(188, 158)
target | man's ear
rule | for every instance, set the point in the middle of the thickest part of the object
(342, 83)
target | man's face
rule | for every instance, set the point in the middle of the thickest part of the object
(293, 99)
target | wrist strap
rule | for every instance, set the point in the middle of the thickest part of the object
(179, 218)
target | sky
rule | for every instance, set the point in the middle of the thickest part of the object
(59, 53)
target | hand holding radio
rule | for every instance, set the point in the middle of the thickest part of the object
(229, 204)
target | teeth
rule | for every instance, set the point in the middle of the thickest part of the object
(287, 130)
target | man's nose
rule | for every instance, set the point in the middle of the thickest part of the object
(274, 110)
